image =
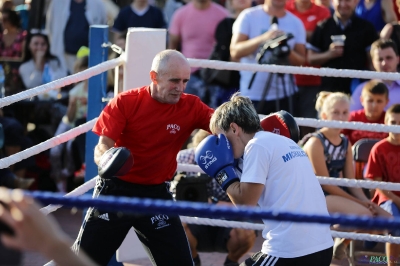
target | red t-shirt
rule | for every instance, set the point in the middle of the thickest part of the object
(154, 132)
(310, 19)
(354, 135)
(384, 161)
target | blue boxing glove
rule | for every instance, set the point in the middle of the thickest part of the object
(214, 155)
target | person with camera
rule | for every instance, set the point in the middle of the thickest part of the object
(254, 34)
(204, 238)
(151, 124)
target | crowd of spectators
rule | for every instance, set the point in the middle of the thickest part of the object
(339, 34)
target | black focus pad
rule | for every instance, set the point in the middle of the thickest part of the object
(116, 161)
(291, 124)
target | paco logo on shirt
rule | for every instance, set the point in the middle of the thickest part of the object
(160, 220)
(173, 128)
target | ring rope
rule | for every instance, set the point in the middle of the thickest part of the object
(317, 123)
(140, 205)
(255, 226)
(82, 189)
(83, 75)
(323, 180)
(194, 168)
(54, 141)
(328, 72)
(301, 121)
(10, 160)
(234, 224)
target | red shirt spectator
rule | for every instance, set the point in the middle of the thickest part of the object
(310, 19)
(355, 135)
(383, 162)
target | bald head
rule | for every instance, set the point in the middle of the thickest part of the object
(167, 59)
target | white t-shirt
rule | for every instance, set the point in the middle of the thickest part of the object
(290, 186)
(253, 22)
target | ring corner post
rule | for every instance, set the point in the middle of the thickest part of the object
(98, 35)
(97, 88)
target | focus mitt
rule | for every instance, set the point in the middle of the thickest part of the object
(282, 123)
(116, 161)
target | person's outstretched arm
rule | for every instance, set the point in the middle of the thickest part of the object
(34, 231)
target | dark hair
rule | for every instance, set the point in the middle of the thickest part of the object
(28, 54)
(13, 17)
(383, 44)
(394, 109)
(239, 110)
(375, 87)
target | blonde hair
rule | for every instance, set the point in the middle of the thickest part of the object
(239, 110)
(327, 99)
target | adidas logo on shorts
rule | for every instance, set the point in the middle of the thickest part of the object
(104, 217)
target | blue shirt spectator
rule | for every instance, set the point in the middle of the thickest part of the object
(377, 12)
(76, 33)
(139, 16)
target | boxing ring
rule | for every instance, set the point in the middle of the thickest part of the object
(142, 46)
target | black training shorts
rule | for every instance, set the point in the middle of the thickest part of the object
(163, 236)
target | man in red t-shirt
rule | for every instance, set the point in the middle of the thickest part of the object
(309, 86)
(374, 97)
(153, 122)
(384, 165)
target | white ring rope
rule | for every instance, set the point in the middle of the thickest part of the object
(323, 180)
(317, 123)
(310, 122)
(74, 193)
(328, 72)
(83, 75)
(64, 137)
(255, 226)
